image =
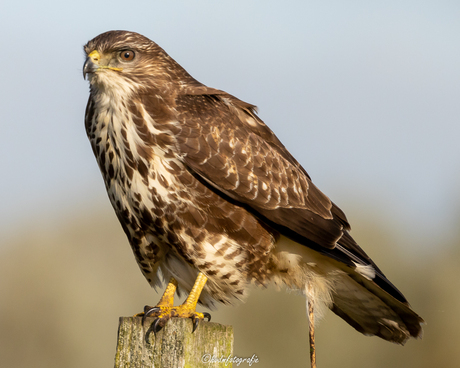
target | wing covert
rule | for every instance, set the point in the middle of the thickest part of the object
(231, 149)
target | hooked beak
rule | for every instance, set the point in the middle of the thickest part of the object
(92, 64)
(89, 67)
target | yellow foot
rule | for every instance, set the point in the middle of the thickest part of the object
(164, 313)
(164, 310)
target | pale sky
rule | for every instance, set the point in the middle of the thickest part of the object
(366, 95)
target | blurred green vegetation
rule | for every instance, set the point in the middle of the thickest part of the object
(63, 286)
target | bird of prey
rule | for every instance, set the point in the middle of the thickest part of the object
(212, 201)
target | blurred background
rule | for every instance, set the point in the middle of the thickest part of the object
(364, 94)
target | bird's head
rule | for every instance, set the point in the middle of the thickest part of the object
(127, 61)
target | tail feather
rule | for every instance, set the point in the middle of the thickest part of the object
(372, 311)
(352, 287)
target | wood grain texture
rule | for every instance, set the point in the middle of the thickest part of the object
(175, 346)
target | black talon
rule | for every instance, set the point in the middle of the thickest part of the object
(148, 311)
(156, 327)
(195, 324)
(207, 315)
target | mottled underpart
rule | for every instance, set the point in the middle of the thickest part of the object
(167, 212)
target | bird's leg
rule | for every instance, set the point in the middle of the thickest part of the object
(167, 299)
(164, 310)
(311, 333)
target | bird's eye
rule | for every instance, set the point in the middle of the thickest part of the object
(127, 55)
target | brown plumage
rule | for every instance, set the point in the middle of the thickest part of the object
(201, 184)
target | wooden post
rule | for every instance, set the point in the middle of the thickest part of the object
(175, 346)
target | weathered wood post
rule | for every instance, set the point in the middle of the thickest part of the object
(175, 346)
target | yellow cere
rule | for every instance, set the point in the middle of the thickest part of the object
(95, 57)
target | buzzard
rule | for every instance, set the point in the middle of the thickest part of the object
(210, 199)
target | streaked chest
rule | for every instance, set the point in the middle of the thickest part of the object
(137, 161)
